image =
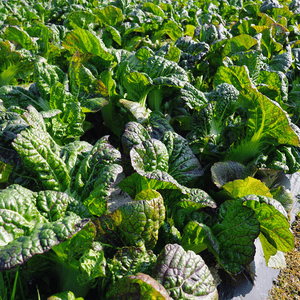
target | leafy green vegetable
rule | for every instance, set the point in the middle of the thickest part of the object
(184, 274)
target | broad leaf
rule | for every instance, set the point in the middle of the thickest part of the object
(184, 274)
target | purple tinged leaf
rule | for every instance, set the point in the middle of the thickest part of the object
(184, 274)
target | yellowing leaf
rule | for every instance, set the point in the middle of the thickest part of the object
(242, 187)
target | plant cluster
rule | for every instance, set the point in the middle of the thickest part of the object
(195, 102)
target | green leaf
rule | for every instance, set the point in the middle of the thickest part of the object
(184, 166)
(150, 215)
(81, 19)
(64, 296)
(242, 187)
(137, 86)
(198, 237)
(129, 261)
(261, 109)
(110, 15)
(156, 180)
(39, 240)
(236, 235)
(239, 43)
(134, 134)
(267, 124)
(40, 154)
(235, 75)
(196, 199)
(171, 29)
(275, 231)
(282, 62)
(115, 34)
(149, 155)
(139, 286)
(138, 112)
(155, 9)
(19, 213)
(194, 98)
(17, 35)
(14, 64)
(284, 196)
(96, 174)
(86, 42)
(47, 76)
(92, 265)
(224, 172)
(184, 274)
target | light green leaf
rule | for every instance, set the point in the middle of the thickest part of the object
(237, 76)
(239, 43)
(242, 187)
(274, 227)
(15, 34)
(81, 19)
(85, 41)
(115, 34)
(150, 215)
(110, 15)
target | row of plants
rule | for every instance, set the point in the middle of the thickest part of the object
(194, 103)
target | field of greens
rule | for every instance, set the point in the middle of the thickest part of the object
(192, 107)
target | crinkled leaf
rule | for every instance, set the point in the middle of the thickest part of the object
(155, 180)
(158, 125)
(139, 286)
(275, 231)
(129, 261)
(149, 155)
(17, 96)
(236, 234)
(64, 296)
(134, 134)
(184, 274)
(69, 123)
(96, 174)
(193, 97)
(150, 215)
(47, 76)
(223, 172)
(11, 124)
(41, 239)
(40, 154)
(138, 112)
(18, 212)
(183, 164)
(196, 200)
(282, 62)
(92, 265)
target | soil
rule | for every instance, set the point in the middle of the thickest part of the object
(287, 284)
